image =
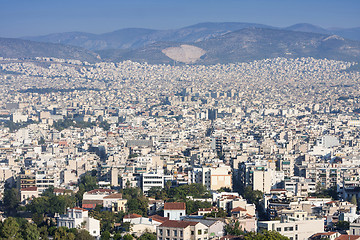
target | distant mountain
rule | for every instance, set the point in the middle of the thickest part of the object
(139, 37)
(245, 45)
(205, 43)
(306, 27)
(132, 38)
(349, 33)
(18, 48)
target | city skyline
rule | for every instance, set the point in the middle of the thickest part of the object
(22, 18)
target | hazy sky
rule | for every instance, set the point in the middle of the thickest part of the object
(39, 17)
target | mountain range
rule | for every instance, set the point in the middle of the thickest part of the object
(139, 37)
(204, 43)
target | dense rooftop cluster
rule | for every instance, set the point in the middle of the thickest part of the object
(287, 128)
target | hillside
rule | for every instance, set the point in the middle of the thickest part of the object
(18, 48)
(247, 45)
(132, 38)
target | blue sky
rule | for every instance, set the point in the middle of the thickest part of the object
(38, 17)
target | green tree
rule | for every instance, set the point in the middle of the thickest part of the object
(147, 236)
(87, 182)
(10, 229)
(252, 196)
(105, 235)
(137, 202)
(264, 235)
(50, 205)
(234, 228)
(11, 199)
(43, 231)
(138, 205)
(38, 218)
(224, 189)
(342, 225)
(49, 192)
(117, 236)
(354, 200)
(193, 206)
(82, 234)
(30, 232)
(107, 221)
(62, 233)
(128, 237)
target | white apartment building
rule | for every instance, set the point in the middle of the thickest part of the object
(79, 218)
(296, 227)
(215, 178)
(153, 179)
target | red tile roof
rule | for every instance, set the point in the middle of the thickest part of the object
(318, 235)
(89, 205)
(348, 237)
(159, 218)
(114, 196)
(77, 208)
(238, 209)
(174, 206)
(29, 189)
(132, 215)
(177, 224)
(229, 196)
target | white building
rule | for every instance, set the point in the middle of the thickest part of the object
(295, 228)
(153, 179)
(300, 186)
(174, 210)
(28, 194)
(79, 218)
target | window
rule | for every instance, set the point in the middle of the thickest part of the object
(168, 232)
(168, 215)
(296, 227)
(278, 229)
(175, 233)
(199, 231)
(160, 231)
(181, 214)
(192, 232)
(181, 233)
